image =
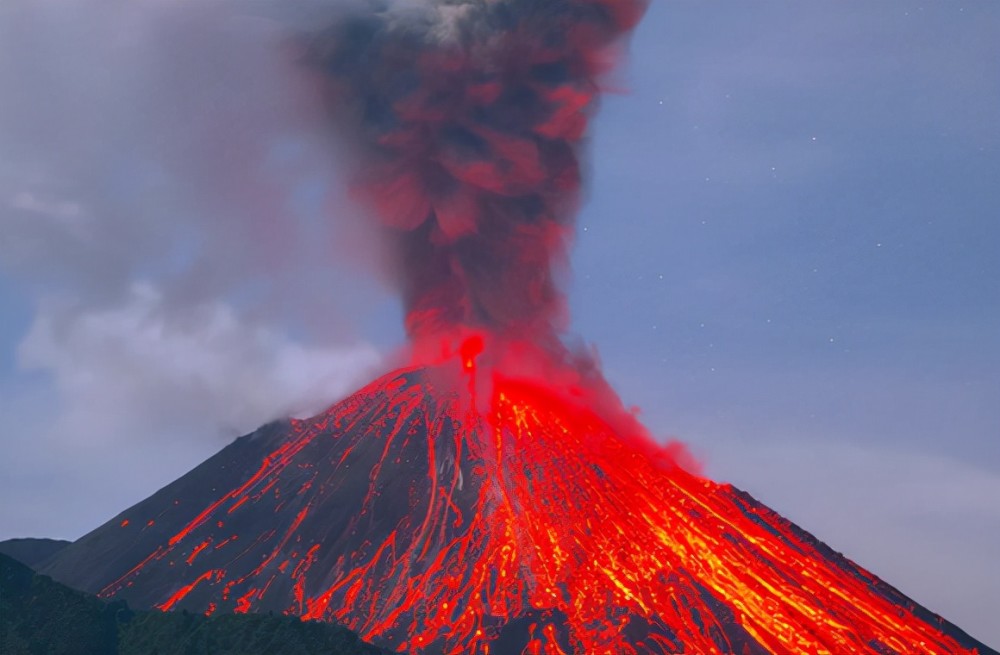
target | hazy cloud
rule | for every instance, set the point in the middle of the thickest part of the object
(169, 199)
(141, 364)
(174, 142)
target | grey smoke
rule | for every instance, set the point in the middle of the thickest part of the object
(169, 200)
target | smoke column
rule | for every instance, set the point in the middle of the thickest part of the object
(467, 120)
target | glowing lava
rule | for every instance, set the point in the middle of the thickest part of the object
(522, 521)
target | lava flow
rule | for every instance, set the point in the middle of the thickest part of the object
(493, 497)
(450, 508)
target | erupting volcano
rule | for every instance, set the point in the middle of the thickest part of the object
(493, 496)
(452, 509)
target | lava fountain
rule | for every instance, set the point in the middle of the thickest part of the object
(492, 497)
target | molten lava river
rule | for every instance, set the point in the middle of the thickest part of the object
(451, 509)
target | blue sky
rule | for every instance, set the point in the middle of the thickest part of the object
(790, 263)
(788, 260)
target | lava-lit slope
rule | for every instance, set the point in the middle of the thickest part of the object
(429, 520)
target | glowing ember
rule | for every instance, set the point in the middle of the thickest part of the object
(430, 520)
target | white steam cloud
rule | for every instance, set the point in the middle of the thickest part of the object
(168, 196)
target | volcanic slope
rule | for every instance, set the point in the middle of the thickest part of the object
(436, 512)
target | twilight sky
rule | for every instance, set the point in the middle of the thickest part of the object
(789, 260)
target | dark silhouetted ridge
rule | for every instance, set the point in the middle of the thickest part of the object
(39, 616)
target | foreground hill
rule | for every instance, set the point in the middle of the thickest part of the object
(32, 552)
(39, 616)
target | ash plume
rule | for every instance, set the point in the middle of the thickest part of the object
(466, 122)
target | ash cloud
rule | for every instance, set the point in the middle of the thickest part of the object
(466, 122)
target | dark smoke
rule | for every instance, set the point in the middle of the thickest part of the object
(468, 120)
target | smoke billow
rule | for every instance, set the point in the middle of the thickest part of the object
(467, 121)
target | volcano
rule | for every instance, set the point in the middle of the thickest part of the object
(491, 497)
(449, 508)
